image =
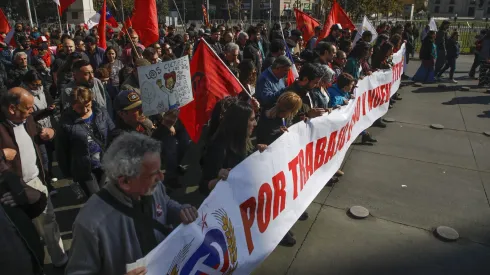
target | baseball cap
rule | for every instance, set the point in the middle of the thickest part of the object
(127, 100)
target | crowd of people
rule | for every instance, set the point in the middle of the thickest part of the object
(65, 98)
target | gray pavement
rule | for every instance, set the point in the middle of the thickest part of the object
(447, 178)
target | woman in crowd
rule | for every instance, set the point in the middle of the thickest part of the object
(353, 65)
(428, 55)
(44, 109)
(367, 69)
(319, 95)
(248, 75)
(229, 145)
(103, 74)
(340, 93)
(380, 40)
(84, 133)
(382, 59)
(453, 50)
(179, 45)
(113, 64)
(409, 38)
(484, 73)
(396, 40)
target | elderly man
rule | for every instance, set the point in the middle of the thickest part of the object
(19, 70)
(83, 75)
(19, 136)
(271, 82)
(241, 40)
(135, 200)
(231, 54)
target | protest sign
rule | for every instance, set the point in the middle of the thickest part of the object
(245, 217)
(165, 86)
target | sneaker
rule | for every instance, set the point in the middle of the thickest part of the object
(379, 123)
(368, 138)
(453, 81)
(288, 240)
(339, 173)
(304, 216)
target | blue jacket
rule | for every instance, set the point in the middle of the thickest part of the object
(337, 96)
(96, 59)
(269, 88)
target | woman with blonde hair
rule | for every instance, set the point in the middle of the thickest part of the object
(276, 120)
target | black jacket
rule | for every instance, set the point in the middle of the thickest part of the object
(253, 53)
(21, 251)
(15, 76)
(71, 137)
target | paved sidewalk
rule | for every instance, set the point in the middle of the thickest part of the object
(447, 178)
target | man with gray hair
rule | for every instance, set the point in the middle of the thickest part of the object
(20, 68)
(130, 216)
(231, 54)
(271, 82)
(241, 40)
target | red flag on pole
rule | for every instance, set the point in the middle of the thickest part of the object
(211, 82)
(63, 5)
(101, 28)
(337, 15)
(306, 24)
(4, 23)
(146, 21)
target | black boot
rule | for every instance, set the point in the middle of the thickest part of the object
(288, 240)
(397, 96)
(368, 138)
(304, 216)
(379, 123)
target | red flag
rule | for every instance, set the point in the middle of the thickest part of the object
(306, 24)
(127, 24)
(205, 13)
(337, 15)
(101, 27)
(63, 5)
(4, 23)
(211, 82)
(146, 21)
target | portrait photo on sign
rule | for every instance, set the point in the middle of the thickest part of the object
(165, 86)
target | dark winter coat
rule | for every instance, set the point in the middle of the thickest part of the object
(72, 149)
(252, 51)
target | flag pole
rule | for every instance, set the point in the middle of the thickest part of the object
(122, 12)
(35, 12)
(28, 6)
(59, 16)
(178, 12)
(215, 54)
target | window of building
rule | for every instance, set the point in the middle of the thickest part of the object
(488, 10)
(436, 9)
(471, 11)
(74, 15)
(451, 9)
(451, 2)
(437, 1)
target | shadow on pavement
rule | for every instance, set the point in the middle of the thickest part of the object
(466, 100)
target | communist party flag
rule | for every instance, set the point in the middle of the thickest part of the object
(4, 23)
(337, 15)
(145, 21)
(306, 24)
(211, 82)
(101, 28)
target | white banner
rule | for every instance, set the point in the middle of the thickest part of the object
(165, 85)
(245, 217)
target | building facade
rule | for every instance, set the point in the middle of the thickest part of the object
(461, 8)
(262, 9)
